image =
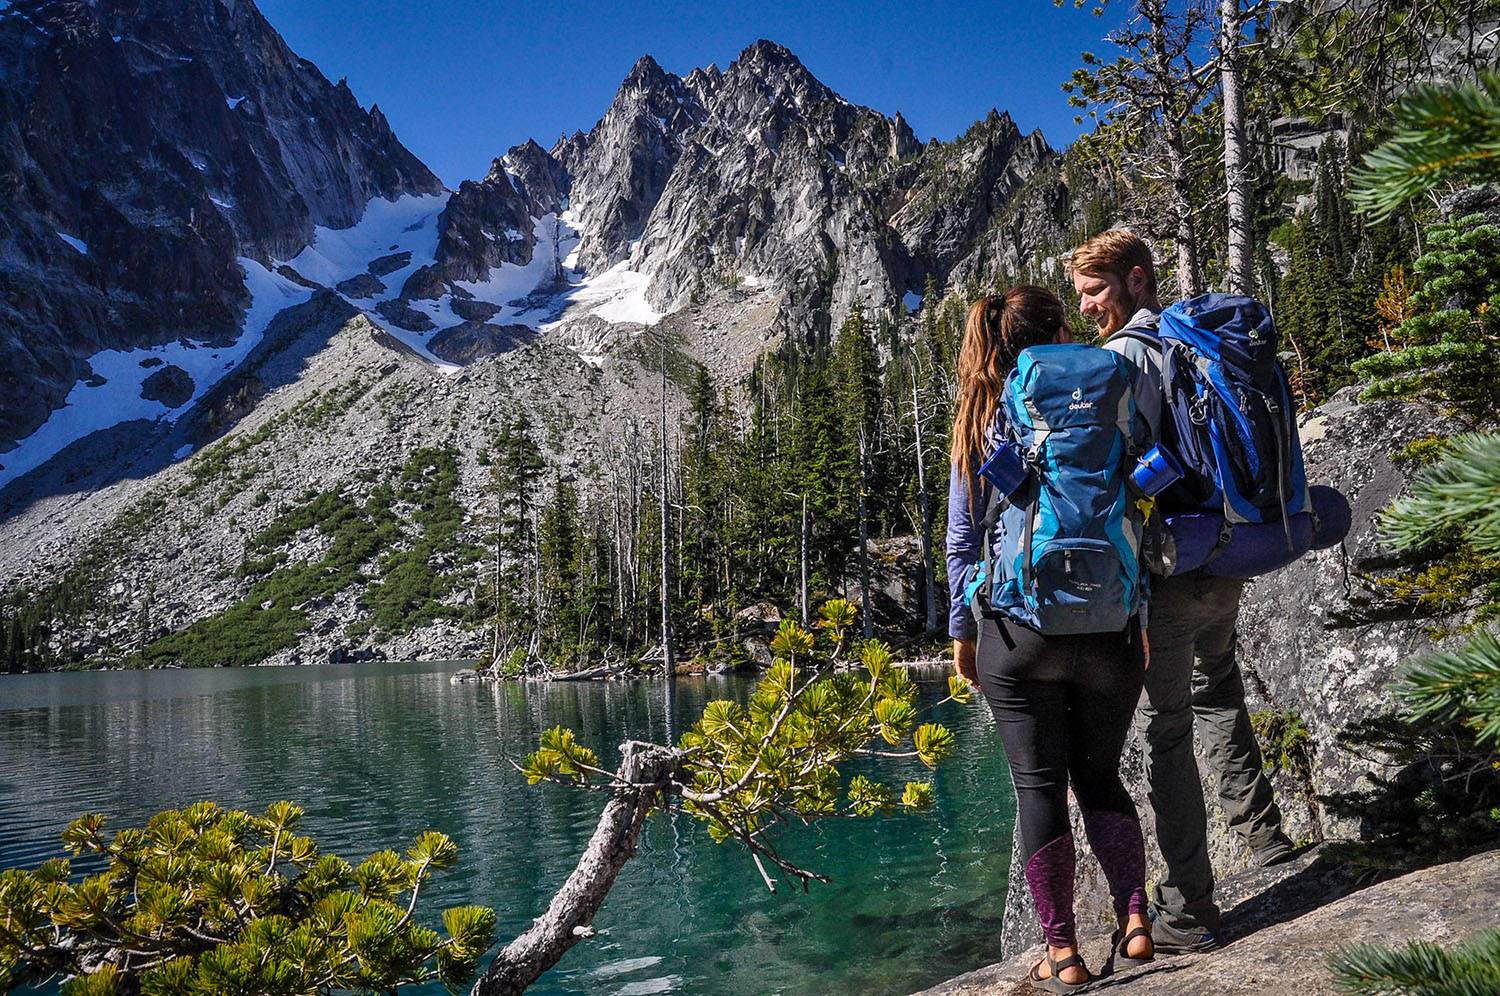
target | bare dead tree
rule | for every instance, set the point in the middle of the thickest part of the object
(864, 535)
(1144, 101)
(1239, 272)
(924, 506)
(669, 658)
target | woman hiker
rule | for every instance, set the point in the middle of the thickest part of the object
(1063, 704)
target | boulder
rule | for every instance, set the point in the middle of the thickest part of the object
(389, 264)
(895, 582)
(403, 315)
(472, 310)
(364, 285)
(762, 617)
(171, 385)
(759, 652)
(467, 342)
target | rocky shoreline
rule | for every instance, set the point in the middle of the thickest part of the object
(1283, 930)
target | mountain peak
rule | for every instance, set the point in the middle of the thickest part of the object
(646, 71)
(768, 53)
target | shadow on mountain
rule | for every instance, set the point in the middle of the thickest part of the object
(139, 448)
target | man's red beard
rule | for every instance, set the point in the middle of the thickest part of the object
(1114, 320)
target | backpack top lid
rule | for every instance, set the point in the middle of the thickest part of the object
(1062, 385)
(1227, 328)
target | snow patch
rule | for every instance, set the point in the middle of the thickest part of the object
(911, 301)
(78, 244)
(234, 102)
(183, 451)
(222, 204)
(407, 224)
(88, 409)
(616, 295)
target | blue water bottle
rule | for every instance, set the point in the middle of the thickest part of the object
(1006, 469)
(1157, 471)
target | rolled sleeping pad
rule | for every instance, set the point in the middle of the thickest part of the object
(1258, 548)
(1334, 516)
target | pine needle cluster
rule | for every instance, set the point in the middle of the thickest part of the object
(210, 900)
(1443, 132)
(1422, 968)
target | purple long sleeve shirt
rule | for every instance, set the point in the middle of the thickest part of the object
(965, 540)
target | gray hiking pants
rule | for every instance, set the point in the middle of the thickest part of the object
(1193, 675)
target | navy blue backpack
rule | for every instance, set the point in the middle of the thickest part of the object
(1228, 413)
(1070, 555)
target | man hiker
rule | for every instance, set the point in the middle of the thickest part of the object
(1192, 673)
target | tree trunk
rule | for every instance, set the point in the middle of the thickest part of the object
(802, 587)
(1240, 272)
(669, 659)
(573, 908)
(1164, 77)
(924, 510)
(864, 541)
(1189, 279)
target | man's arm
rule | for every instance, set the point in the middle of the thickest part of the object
(1148, 391)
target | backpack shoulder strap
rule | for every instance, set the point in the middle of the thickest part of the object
(1140, 333)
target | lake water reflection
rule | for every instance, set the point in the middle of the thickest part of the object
(378, 753)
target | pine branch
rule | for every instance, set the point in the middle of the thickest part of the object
(1421, 968)
(1461, 491)
(1461, 685)
(1442, 134)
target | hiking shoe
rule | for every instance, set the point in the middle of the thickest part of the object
(1279, 849)
(1168, 939)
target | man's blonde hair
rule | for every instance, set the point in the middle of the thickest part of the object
(1115, 253)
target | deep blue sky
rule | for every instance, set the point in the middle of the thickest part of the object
(463, 80)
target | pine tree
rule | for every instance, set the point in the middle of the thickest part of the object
(1451, 346)
(1317, 311)
(514, 475)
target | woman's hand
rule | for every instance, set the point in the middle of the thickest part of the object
(963, 661)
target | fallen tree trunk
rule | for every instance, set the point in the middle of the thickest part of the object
(602, 671)
(567, 920)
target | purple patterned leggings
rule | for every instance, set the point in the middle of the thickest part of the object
(1063, 706)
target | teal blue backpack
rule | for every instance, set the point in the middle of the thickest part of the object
(1069, 556)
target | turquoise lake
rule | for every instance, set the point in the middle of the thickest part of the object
(378, 753)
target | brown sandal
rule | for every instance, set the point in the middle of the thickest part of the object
(1054, 983)
(1120, 944)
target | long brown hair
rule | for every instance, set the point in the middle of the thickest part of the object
(997, 329)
